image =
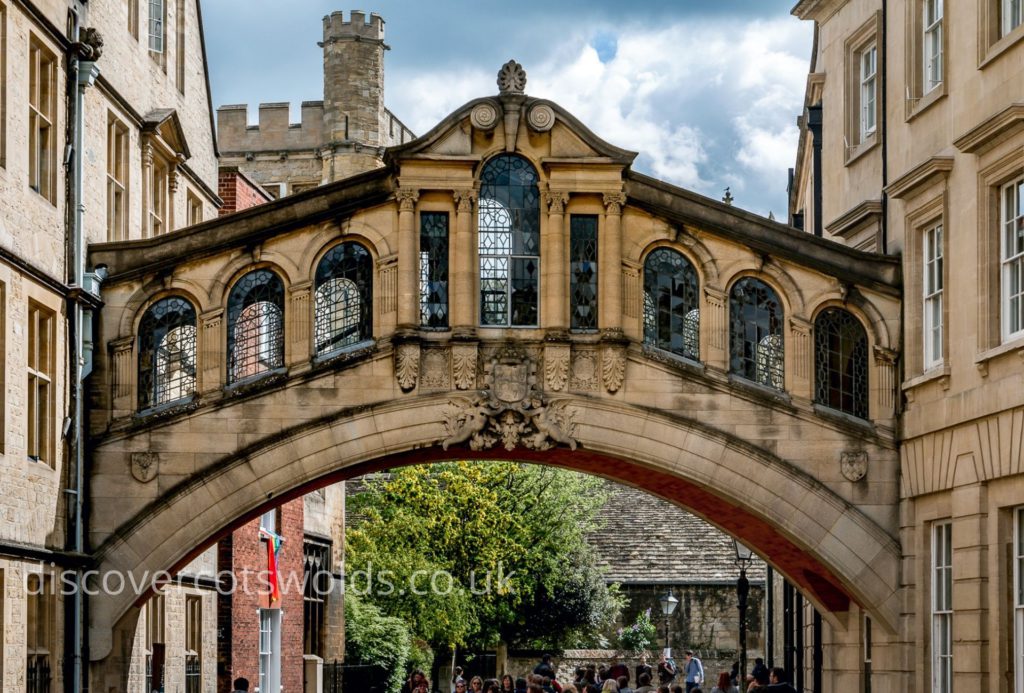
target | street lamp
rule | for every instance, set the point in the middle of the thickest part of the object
(743, 558)
(668, 605)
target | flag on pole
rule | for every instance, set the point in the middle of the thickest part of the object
(273, 550)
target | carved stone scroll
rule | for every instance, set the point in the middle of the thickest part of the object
(556, 366)
(613, 367)
(464, 366)
(407, 365)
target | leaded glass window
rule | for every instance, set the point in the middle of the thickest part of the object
(509, 242)
(167, 352)
(755, 333)
(583, 272)
(434, 269)
(344, 291)
(255, 325)
(671, 303)
(841, 362)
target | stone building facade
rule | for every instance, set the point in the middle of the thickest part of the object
(914, 114)
(344, 134)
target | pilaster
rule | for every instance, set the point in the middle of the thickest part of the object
(408, 260)
(554, 270)
(609, 264)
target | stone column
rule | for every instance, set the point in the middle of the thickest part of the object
(609, 265)
(212, 350)
(554, 269)
(799, 360)
(173, 179)
(123, 371)
(715, 329)
(408, 262)
(147, 186)
(298, 347)
(464, 250)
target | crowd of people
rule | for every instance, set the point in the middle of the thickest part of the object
(615, 678)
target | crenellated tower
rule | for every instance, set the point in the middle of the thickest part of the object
(354, 114)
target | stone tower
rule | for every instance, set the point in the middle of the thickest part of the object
(354, 114)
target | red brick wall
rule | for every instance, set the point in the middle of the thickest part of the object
(249, 557)
(238, 191)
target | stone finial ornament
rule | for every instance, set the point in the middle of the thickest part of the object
(511, 78)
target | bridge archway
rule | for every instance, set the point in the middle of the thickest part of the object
(823, 544)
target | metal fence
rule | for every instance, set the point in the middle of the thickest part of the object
(354, 678)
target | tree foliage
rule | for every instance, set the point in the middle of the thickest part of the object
(476, 552)
(372, 638)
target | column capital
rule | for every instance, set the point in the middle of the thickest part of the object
(407, 198)
(613, 202)
(464, 199)
(556, 201)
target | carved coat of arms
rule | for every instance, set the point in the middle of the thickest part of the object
(510, 410)
(854, 464)
(145, 465)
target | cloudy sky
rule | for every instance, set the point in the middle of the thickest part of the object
(706, 90)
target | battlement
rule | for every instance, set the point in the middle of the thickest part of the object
(273, 132)
(357, 28)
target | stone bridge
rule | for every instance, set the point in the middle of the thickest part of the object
(505, 286)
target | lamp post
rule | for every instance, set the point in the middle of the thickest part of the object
(668, 605)
(743, 558)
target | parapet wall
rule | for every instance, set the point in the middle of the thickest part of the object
(274, 131)
(358, 28)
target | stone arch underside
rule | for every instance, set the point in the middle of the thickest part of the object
(823, 544)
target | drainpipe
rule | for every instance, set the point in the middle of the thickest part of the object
(82, 73)
(885, 129)
(814, 124)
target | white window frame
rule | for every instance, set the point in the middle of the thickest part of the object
(867, 59)
(932, 24)
(157, 25)
(1011, 259)
(268, 521)
(942, 607)
(1018, 600)
(269, 650)
(1011, 16)
(932, 286)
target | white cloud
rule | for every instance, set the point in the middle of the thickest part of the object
(707, 104)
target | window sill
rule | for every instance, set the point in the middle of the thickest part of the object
(843, 418)
(255, 381)
(166, 408)
(673, 359)
(934, 373)
(1016, 344)
(758, 389)
(343, 353)
(856, 151)
(1000, 47)
(922, 104)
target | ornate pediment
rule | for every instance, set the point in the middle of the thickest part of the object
(510, 114)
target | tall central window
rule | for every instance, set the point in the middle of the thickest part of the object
(942, 607)
(1013, 259)
(509, 243)
(434, 269)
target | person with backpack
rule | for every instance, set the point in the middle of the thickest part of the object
(693, 672)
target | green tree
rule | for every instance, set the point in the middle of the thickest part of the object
(372, 638)
(503, 542)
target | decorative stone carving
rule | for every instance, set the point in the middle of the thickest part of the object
(145, 465)
(556, 366)
(613, 368)
(434, 371)
(509, 410)
(854, 464)
(464, 366)
(584, 371)
(613, 202)
(512, 78)
(121, 351)
(556, 202)
(407, 199)
(407, 365)
(541, 117)
(464, 199)
(387, 269)
(484, 116)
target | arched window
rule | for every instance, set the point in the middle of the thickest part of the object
(509, 242)
(755, 333)
(255, 325)
(671, 303)
(841, 362)
(167, 352)
(344, 286)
